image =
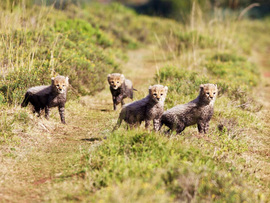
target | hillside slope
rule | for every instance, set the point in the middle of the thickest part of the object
(43, 160)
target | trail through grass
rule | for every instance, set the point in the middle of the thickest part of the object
(47, 164)
(29, 170)
(43, 160)
(262, 93)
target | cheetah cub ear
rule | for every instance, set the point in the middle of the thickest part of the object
(201, 86)
(67, 79)
(150, 88)
(166, 89)
(52, 79)
(108, 76)
(122, 77)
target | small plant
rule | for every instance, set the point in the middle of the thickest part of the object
(66, 47)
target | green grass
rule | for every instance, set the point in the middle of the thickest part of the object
(59, 46)
(84, 160)
(171, 167)
(78, 43)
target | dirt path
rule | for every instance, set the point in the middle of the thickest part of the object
(261, 141)
(264, 89)
(262, 92)
(49, 150)
(139, 69)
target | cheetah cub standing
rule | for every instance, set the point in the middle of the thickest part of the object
(45, 97)
(120, 87)
(147, 109)
(199, 111)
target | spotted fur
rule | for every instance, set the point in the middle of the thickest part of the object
(120, 88)
(199, 111)
(45, 97)
(147, 109)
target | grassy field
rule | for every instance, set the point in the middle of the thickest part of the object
(83, 161)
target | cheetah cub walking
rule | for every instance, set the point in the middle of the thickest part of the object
(120, 87)
(199, 111)
(45, 97)
(147, 109)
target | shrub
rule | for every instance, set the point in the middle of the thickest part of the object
(68, 47)
(183, 85)
(180, 170)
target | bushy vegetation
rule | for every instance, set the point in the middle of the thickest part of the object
(132, 165)
(53, 42)
(220, 68)
(185, 168)
(160, 167)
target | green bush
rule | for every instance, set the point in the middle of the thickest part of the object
(234, 75)
(189, 39)
(182, 171)
(183, 85)
(68, 47)
(81, 44)
(226, 57)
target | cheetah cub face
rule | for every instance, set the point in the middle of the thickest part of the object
(60, 84)
(158, 93)
(115, 80)
(209, 91)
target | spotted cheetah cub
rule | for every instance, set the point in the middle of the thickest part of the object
(199, 111)
(45, 97)
(120, 87)
(147, 109)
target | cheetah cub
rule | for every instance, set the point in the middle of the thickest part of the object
(120, 87)
(45, 97)
(147, 109)
(199, 111)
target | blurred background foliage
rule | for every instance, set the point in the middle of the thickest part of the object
(175, 9)
(87, 43)
(47, 44)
